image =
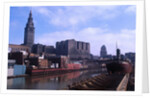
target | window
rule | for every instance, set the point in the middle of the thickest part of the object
(86, 46)
(82, 46)
(77, 45)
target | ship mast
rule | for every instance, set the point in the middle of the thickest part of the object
(117, 52)
(116, 45)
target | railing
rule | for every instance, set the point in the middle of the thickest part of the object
(123, 84)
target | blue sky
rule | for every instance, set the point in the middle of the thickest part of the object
(95, 24)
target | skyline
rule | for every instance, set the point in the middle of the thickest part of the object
(98, 25)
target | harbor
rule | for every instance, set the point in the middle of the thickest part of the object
(63, 73)
(51, 82)
(78, 80)
(69, 63)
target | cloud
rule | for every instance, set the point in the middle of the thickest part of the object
(131, 9)
(97, 37)
(43, 11)
(71, 16)
(66, 16)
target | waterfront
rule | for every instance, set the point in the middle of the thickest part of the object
(49, 82)
(62, 59)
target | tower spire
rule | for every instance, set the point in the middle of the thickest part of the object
(30, 15)
(116, 45)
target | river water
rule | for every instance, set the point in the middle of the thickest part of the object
(48, 82)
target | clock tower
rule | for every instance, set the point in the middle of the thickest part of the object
(29, 32)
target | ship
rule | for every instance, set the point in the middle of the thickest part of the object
(53, 71)
(118, 65)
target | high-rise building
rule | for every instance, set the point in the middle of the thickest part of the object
(103, 52)
(73, 49)
(37, 49)
(40, 49)
(49, 49)
(29, 32)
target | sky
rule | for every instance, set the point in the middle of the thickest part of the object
(98, 25)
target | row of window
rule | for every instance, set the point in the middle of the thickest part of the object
(63, 46)
(18, 49)
(82, 46)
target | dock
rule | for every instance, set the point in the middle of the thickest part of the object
(111, 82)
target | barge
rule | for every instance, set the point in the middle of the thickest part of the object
(52, 71)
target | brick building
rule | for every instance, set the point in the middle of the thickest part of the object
(17, 48)
(49, 49)
(73, 49)
(37, 49)
(40, 49)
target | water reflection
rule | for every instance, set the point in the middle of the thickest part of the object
(55, 82)
(16, 82)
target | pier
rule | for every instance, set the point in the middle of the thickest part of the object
(117, 82)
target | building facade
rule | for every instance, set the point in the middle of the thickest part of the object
(103, 52)
(40, 49)
(18, 48)
(37, 49)
(73, 49)
(130, 56)
(29, 32)
(49, 49)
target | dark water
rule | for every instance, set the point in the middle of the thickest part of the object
(55, 82)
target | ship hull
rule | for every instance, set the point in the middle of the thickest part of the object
(51, 71)
(119, 67)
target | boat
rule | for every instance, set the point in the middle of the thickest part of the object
(119, 67)
(44, 71)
